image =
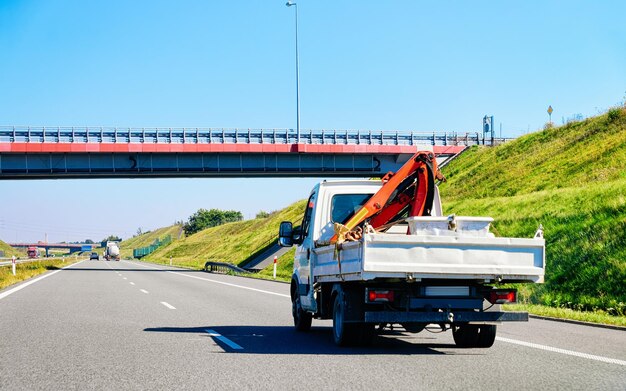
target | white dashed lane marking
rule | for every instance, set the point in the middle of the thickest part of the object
(223, 339)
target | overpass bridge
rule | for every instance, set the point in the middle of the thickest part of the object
(73, 247)
(106, 152)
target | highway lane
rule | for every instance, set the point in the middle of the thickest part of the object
(132, 325)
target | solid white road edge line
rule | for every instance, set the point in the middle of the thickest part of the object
(220, 282)
(24, 285)
(227, 341)
(168, 305)
(563, 351)
(143, 290)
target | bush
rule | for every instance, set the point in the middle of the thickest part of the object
(204, 219)
(615, 114)
(262, 215)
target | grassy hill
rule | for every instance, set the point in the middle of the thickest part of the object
(571, 179)
(577, 155)
(10, 251)
(231, 243)
(144, 240)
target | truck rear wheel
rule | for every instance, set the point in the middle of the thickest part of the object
(343, 333)
(349, 333)
(486, 336)
(301, 318)
(474, 336)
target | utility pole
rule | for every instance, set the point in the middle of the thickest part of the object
(289, 4)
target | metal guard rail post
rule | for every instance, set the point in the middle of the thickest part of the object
(221, 267)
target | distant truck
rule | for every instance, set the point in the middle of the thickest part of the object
(374, 254)
(32, 252)
(112, 251)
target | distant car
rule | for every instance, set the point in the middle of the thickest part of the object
(94, 256)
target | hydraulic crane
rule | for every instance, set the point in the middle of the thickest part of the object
(411, 189)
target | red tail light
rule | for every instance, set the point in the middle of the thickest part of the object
(502, 296)
(378, 296)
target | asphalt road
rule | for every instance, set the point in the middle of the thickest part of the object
(131, 325)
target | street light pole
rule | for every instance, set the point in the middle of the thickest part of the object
(289, 4)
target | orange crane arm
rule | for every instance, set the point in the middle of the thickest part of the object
(412, 185)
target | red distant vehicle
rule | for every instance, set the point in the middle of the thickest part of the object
(32, 252)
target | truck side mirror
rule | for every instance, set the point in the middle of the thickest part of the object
(285, 234)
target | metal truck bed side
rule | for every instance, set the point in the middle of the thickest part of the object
(450, 257)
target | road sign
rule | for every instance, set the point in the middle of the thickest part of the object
(487, 123)
(550, 110)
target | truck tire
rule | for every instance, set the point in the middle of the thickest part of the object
(474, 336)
(301, 318)
(465, 335)
(343, 333)
(486, 336)
(349, 333)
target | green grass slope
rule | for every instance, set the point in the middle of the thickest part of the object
(10, 251)
(571, 179)
(231, 243)
(575, 155)
(144, 240)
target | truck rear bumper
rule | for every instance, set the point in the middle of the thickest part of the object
(443, 317)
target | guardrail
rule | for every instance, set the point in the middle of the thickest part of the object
(7, 261)
(42, 134)
(221, 267)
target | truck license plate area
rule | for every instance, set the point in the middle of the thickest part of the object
(457, 291)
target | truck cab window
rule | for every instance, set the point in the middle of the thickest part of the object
(306, 221)
(344, 206)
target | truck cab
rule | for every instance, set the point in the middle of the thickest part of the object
(330, 202)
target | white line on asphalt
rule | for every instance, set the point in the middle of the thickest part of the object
(132, 283)
(125, 278)
(563, 351)
(143, 290)
(220, 282)
(24, 285)
(168, 305)
(223, 339)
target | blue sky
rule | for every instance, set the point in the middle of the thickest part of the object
(408, 65)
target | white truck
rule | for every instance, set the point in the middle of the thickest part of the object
(112, 251)
(414, 271)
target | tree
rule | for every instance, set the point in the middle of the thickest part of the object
(111, 238)
(204, 219)
(262, 214)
